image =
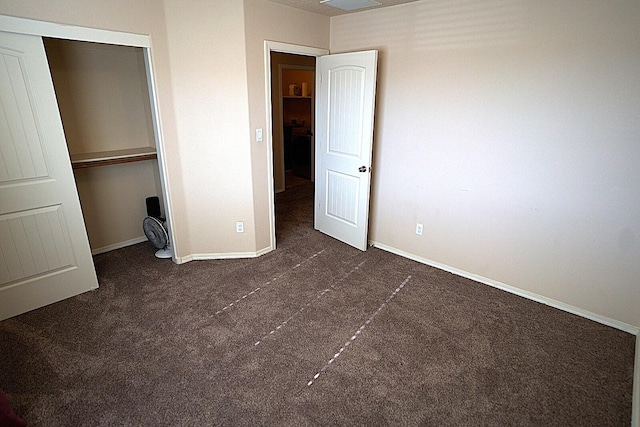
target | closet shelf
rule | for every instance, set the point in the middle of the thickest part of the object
(112, 157)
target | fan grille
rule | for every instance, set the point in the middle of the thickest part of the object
(155, 232)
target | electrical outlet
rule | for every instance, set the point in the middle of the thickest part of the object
(239, 227)
(419, 229)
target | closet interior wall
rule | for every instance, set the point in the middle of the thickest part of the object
(103, 99)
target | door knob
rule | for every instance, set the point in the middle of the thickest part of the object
(362, 169)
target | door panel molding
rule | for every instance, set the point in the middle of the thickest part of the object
(34, 244)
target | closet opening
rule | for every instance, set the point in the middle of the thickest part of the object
(105, 104)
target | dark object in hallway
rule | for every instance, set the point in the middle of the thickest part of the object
(301, 156)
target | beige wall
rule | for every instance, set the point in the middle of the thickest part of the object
(270, 21)
(512, 134)
(113, 202)
(209, 82)
(102, 95)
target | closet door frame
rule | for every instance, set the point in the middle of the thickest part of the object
(70, 32)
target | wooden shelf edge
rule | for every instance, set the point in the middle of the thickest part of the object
(113, 157)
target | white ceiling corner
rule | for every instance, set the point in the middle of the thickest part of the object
(315, 6)
(350, 4)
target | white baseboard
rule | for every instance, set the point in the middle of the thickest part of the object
(118, 245)
(264, 251)
(183, 259)
(520, 292)
(222, 255)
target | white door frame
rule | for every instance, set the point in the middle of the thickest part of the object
(271, 46)
(71, 32)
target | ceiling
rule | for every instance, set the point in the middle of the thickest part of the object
(321, 9)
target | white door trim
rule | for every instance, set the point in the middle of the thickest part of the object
(271, 46)
(32, 27)
(71, 32)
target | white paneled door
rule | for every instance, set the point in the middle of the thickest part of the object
(346, 85)
(44, 249)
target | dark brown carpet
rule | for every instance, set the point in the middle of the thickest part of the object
(314, 333)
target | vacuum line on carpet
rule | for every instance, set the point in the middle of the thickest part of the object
(253, 292)
(308, 304)
(359, 331)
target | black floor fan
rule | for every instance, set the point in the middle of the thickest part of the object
(155, 228)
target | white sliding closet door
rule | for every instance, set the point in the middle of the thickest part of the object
(44, 250)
